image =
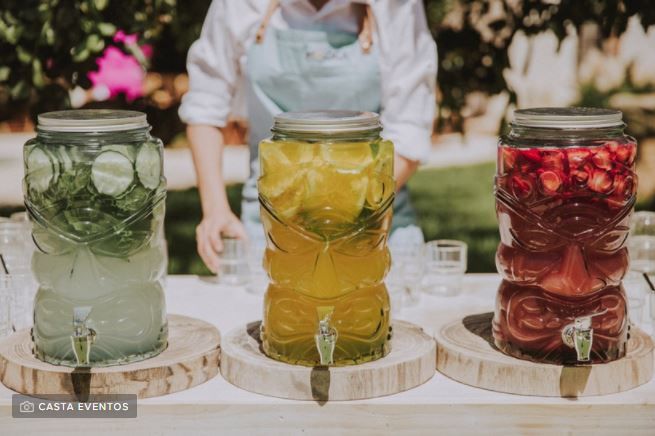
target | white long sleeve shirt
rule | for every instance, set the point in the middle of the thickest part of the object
(407, 56)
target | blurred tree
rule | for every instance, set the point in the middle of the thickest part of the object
(473, 37)
(49, 46)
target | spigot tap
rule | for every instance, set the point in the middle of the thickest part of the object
(326, 340)
(83, 336)
(580, 336)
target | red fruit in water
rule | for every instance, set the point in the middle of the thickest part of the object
(602, 159)
(626, 153)
(577, 157)
(508, 159)
(554, 160)
(532, 155)
(580, 176)
(600, 181)
(623, 186)
(522, 187)
(612, 146)
(550, 182)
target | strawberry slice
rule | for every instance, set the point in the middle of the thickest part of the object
(612, 146)
(623, 186)
(508, 159)
(522, 187)
(580, 176)
(550, 182)
(600, 181)
(532, 155)
(602, 159)
(577, 157)
(554, 160)
(626, 153)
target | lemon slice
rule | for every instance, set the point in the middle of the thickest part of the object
(284, 191)
(337, 193)
(351, 155)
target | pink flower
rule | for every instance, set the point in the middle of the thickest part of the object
(126, 39)
(119, 72)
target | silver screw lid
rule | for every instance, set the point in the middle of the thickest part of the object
(568, 118)
(91, 120)
(326, 122)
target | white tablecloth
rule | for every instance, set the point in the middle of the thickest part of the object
(440, 404)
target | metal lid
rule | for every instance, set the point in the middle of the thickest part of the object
(91, 120)
(568, 117)
(327, 121)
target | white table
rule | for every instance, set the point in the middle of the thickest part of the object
(440, 405)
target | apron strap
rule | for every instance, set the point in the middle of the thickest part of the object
(261, 31)
(365, 34)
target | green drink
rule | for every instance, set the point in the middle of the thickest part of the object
(94, 189)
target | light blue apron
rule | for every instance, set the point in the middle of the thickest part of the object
(295, 70)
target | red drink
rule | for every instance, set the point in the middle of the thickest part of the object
(563, 200)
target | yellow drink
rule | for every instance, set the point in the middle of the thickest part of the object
(326, 210)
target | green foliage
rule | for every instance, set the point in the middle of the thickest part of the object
(48, 46)
(473, 37)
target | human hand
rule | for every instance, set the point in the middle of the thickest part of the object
(208, 236)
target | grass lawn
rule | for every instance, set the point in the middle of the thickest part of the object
(458, 203)
(452, 203)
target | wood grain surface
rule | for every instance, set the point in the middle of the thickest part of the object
(409, 364)
(191, 358)
(466, 353)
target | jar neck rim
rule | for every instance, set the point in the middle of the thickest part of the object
(131, 134)
(518, 131)
(370, 134)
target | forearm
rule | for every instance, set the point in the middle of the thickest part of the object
(206, 144)
(403, 170)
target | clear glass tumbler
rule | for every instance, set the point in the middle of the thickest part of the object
(233, 268)
(641, 242)
(446, 262)
(6, 290)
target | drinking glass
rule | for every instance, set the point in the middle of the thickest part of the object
(446, 262)
(258, 279)
(6, 290)
(16, 246)
(407, 249)
(641, 242)
(233, 267)
(636, 289)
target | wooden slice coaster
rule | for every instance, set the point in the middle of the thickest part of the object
(190, 359)
(466, 353)
(409, 364)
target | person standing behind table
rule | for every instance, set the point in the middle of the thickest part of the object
(374, 55)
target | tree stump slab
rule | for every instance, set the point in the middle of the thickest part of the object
(466, 353)
(410, 363)
(191, 358)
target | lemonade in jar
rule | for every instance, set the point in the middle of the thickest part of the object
(326, 192)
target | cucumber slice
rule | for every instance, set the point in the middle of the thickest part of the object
(112, 173)
(64, 159)
(40, 170)
(148, 166)
(54, 158)
(129, 151)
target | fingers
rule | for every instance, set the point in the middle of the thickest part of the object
(215, 241)
(237, 229)
(210, 243)
(207, 253)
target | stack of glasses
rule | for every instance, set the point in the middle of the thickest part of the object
(435, 268)
(639, 281)
(17, 285)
